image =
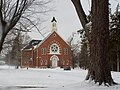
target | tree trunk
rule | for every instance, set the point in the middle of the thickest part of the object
(1, 31)
(99, 69)
(2, 39)
(118, 61)
(0, 45)
(3, 34)
(99, 66)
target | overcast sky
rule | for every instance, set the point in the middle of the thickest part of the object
(67, 19)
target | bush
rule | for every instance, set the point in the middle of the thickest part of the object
(67, 68)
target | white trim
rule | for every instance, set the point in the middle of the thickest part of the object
(55, 57)
(48, 37)
(43, 40)
(63, 39)
(57, 52)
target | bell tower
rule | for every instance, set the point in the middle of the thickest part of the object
(54, 26)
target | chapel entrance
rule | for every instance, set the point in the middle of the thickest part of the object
(54, 60)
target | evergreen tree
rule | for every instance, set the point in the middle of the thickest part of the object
(114, 44)
(84, 55)
(16, 49)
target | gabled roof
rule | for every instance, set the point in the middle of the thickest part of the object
(43, 40)
(48, 37)
(31, 44)
(63, 39)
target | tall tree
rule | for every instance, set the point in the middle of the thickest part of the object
(115, 39)
(16, 49)
(12, 11)
(75, 50)
(84, 55)
(12, 46)
(99, 68)
(99, 43)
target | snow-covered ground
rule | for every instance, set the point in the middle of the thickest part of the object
(49, 79)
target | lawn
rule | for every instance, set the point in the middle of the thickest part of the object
(49, 79)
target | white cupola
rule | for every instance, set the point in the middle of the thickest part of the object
(54, 26)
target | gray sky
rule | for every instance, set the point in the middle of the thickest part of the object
(67, 19)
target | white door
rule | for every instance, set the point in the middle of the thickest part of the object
(54, 59)
(54, 63)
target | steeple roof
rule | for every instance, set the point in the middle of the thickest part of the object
(53, 19)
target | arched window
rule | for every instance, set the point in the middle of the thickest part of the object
(65, 51)
(45, 62)
(43, 51)
(63, 62)
(67, 62)
(41, 62)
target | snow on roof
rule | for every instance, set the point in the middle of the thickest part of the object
(31, 44)
(37, 43)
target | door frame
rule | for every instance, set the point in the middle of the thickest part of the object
(54, 60)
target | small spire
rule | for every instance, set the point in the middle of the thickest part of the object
(53, 19)
(54, 26)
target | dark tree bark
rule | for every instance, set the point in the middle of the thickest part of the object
(99, 68)
(80, 12)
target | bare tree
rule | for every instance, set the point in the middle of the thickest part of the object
(14, 11)
(75, 48)
(99, 68)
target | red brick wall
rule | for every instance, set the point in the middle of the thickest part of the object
(55, 38)
(40, 60)
(26, 61)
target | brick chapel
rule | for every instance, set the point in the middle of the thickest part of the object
(52, 51)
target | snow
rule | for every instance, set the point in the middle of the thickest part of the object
(49, 79)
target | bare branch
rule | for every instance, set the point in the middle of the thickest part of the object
(17, 15)
(17, 3)
(34, 25)
(80, 12)
(1, 16)
(11, 12)
(21, 30)
(9, 9)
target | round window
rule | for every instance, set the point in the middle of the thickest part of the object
(54, 48)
